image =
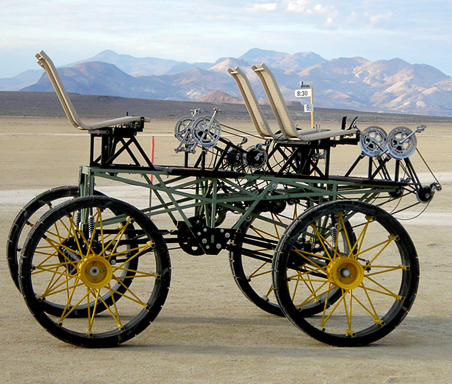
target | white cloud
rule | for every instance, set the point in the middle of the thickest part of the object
(298, 6)
(380, 18)
(266, 7)
(203, 30)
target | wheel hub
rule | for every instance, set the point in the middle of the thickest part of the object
(346, 273)
(95, 272)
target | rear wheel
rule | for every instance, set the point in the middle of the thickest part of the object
(376, 275)
(252, 255)
(114, 252)
(27, 218)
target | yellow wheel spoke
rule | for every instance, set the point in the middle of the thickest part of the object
(255, 273)
(385, 291)
(361, 237)
(92, 312)
(66, 313)
(372, 311)
(346, 234)
(386, 269)
(315, 294)
(333, 309)
(270, 290)
(349, 311)
(53, 287)
(305, 255)
(141, 250)
(116, 317)
(264, 234)
(134, 273)
(323, 241)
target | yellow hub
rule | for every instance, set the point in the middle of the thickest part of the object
(95, 272)
(346, 273)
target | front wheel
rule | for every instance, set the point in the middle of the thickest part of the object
(86, 250)
(377, 274)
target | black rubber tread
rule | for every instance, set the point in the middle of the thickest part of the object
(238, 272)
(25, 214)
(156, 297)
(396, 311)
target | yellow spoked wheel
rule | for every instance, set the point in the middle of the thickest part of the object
(26, 219)
(93, 255)
(252, 253)
(376, 273)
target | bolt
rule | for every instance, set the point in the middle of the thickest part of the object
(218, 246)
(199, 233)
(204, 229)
(204, 241)
(227, 235)
(345, 273)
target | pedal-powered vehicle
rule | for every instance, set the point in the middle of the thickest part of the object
(317, 248)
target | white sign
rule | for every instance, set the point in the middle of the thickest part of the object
(303, 92)
(309, 107)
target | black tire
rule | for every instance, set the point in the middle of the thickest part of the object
(378, 278)
(252, 252)
(72, 265)
(27, 216)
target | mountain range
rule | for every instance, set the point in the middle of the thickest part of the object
(346, 83)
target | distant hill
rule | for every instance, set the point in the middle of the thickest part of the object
(46, 104)
(345, 83)
(219, 97)
(20, 81)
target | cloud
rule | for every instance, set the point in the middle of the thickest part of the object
(380, 19)
(266, 7)
(298, 6)
(202, 30)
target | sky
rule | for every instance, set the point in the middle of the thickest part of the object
(416, 31)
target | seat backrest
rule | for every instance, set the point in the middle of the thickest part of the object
(251, 103)
(45, 62)
(276, 100)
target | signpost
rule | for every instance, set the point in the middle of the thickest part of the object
(307, 90)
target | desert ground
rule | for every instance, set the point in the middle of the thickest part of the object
(207, 331)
